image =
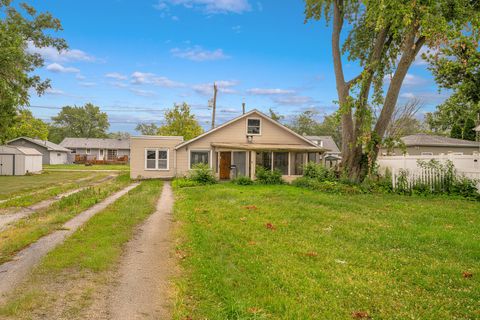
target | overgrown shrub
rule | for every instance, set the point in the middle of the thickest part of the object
(317, 171)
(326, 186)
(202, 173)
(243, 181)
(184, 183)
(266, 176)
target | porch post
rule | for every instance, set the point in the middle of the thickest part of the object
(289, 161)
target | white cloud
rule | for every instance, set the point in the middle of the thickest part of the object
(119, 84)
(151, 78)
(410, 80)
(293, 100)
(80, 77)
(267, 92)
(51, 54)
(116, 76)
(408, 95)
(237, 29)
(207, 6)
(58, 68)
(197, 53)
(224, 86)
(87, 84)
(143, 93)
(53, 91)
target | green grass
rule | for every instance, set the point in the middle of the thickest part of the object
(118, 167)
(79, 264)
(28, 230)
(11, 186)
(281, 252)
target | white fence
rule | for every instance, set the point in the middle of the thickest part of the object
(465, 165)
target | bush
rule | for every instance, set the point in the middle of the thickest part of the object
(326, 186)
(243, 181)
(184, 183)
(265, 176)
(317, 171)
(202, 174)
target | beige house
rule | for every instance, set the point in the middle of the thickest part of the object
(233, 149)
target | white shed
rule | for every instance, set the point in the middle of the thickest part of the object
(18, 161)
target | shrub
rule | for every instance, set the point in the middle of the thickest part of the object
(184, 183)
(326, 186)
(317, 171)
(202, 174)
(243, 181)
(265, 176)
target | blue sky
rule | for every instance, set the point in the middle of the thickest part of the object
(135, 58)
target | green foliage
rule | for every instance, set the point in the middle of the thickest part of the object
(319, 172)
(21, 28)
(147, 129)
(456, 131)
(119, 135)
(26, 125)
(202, 174)
(243, 181)
(275, 116)
(80, 122)
(179, 121)
(267, 176)
(184, 183)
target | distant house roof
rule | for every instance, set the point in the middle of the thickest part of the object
(436, 141)
(19, 150)
(50, 146)
(327, 141)
(95, 143)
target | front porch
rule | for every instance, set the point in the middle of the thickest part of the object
(234, 160)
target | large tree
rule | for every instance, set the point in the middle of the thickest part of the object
(80, 122)
(26, 125)
(305, 124)
(20, 27)
(147, 129)
(383, 38)
(179, 121)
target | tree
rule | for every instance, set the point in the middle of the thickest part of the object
(19, 29)
(119, 135)
(147, 129)
(26, 125)
(275, 116)
(305, 123)
(80, 122)
(404, 121)
(456, 131)
(180, 122)
(384, 37)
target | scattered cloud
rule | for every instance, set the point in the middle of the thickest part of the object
(143, 93)
(87, 84)
(224, 86)
(139, 78)
(54, 91)
(197, 53)
(237, 29)
(51, 54)
(207, 6)
(80, 77)
(268, 92)
(292, 100)
(119, 84)
(116, 76)
(410, 80)
(58, 68)
(427, 97)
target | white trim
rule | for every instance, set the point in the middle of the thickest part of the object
(246, 126)
(157, 158)
(245, 116)
(88, 150)
(210, 162)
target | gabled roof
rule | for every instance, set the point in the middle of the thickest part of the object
(436, 141)
(328, 142)
(244, 116)
(19, 150)
(95, 143)
(50, 146)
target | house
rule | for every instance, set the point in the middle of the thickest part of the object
(233, 149)
(98, 149)
(331, 157)
(432, 145)
(51, 153)
(18, 161)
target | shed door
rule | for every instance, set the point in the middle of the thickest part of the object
(6, 165)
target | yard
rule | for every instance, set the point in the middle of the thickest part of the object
(280, 252)
(116, 167)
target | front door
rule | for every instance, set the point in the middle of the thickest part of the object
(225, 163)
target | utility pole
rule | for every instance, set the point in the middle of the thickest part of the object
(214, 105)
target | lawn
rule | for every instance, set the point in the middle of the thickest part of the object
(116, 167)
(280, 252)
(14, 185)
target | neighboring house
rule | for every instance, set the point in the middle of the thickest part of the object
(18, 161)
(431, 145)
(233, 149)
(51, 153)
(98, 148)
(333, 155)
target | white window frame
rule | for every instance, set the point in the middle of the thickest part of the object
(210, 162)
(157, 158)
(254, 134)
(88, 151)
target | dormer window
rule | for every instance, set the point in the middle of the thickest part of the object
(254, 126)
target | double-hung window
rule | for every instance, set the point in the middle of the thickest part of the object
(199, 156)
(254, 126)
(156, 159)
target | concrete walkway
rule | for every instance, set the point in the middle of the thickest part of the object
(9, 218)
(13, 272)
(145, 268)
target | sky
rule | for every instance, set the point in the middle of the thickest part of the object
(134, 59)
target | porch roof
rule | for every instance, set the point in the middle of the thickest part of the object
(268, 147)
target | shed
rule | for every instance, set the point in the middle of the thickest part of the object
(52, 153)
(18, 161)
